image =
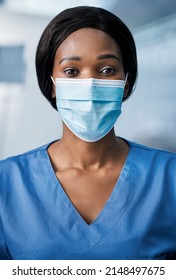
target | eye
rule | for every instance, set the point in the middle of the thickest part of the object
(108, 70)
(71, 72)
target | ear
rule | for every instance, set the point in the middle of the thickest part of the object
(53, 93)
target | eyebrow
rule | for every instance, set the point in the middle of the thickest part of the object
(77, 58)
(108, 56)
(102, 56)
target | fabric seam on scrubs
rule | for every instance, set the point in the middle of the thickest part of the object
(3, 233)
(143, 147)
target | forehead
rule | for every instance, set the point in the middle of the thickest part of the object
(88, 40)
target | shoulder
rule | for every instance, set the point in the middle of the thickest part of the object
(21, 158)
(155, 163)
(152, 152)
(13, 169)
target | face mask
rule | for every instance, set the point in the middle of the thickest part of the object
(89, 107)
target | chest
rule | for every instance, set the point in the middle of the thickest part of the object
(88, 191)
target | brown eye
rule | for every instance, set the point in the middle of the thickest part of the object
(108, 71)
(71, 72)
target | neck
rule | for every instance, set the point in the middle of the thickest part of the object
(86, 155)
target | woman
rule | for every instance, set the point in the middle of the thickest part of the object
(89, 195)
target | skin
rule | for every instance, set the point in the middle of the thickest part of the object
(88, 172)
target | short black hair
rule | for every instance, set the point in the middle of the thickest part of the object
(71, 20)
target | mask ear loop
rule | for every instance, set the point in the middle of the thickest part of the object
(126, 78)
(53, 80)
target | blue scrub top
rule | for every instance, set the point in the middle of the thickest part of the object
(38, 221)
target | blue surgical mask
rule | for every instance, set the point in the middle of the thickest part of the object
(89, 107)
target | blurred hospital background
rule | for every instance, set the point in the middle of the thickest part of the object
(27, 120)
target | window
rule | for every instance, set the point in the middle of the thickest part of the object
(12, 66)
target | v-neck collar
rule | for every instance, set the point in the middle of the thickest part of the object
(117, 204)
